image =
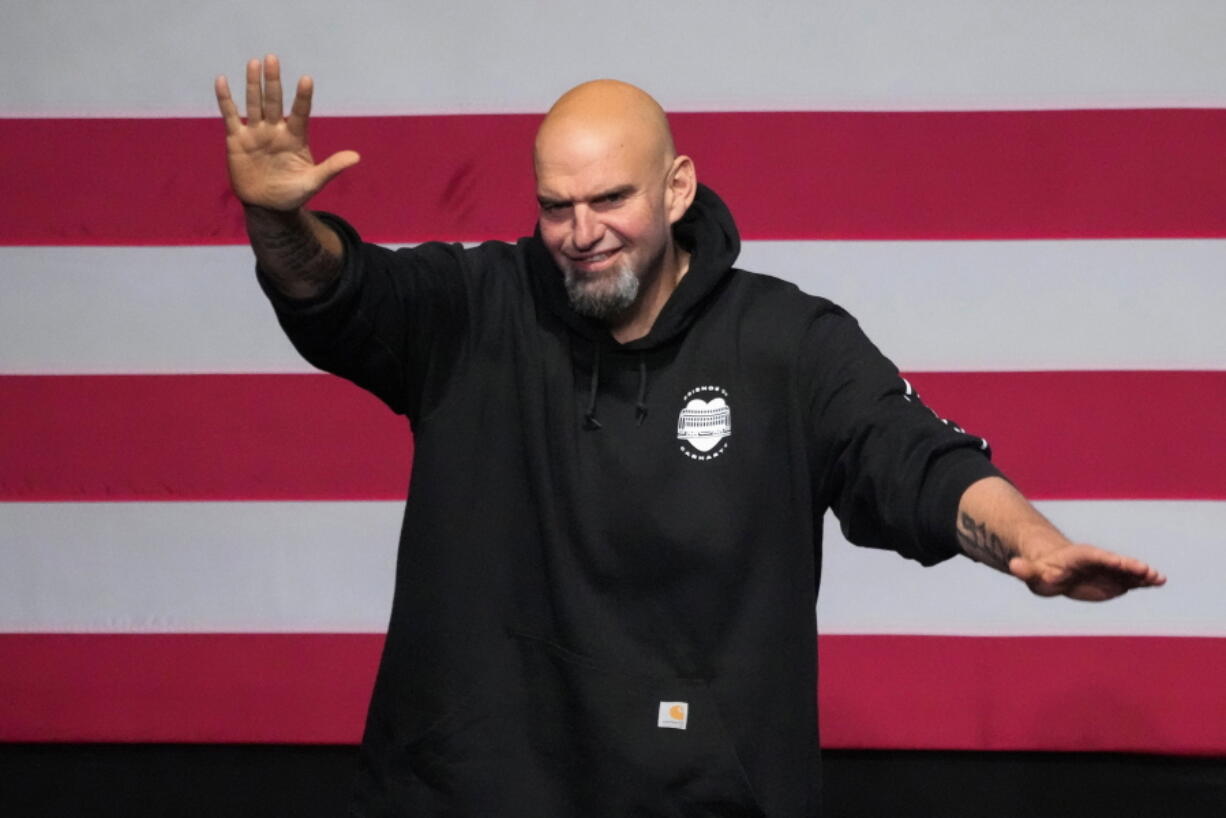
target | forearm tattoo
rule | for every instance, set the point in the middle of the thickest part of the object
(290, 254)
(982, 545)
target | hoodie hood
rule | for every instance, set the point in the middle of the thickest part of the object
(706, 231)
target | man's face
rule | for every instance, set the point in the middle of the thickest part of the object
(603, 218)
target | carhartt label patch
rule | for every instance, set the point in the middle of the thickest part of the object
(704, 423)
(674, 715)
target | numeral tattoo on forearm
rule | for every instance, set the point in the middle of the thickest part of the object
(982, 545)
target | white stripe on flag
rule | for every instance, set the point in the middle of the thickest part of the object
(477, 56)
(935, 306)
(328, 567)
(192, 567)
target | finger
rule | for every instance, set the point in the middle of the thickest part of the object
(272, 89)
(1139, 568)
(254, 98)
(1027, 571)
(229, 111)
(300, 112)
(1145, 573)
(1148, 578)
(1135, 572)
(328, 169)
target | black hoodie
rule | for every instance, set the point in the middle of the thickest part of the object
(609, 563)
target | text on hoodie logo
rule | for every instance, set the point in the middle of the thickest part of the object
(705, 423)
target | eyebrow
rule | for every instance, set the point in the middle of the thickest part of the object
(620, 190)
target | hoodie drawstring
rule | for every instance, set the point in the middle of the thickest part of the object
(589, 421)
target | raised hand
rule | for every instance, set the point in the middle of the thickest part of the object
(269, 158)
(1084, 572)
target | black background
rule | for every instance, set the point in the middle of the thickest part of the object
(134, 780)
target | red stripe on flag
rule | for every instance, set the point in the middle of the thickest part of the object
(1143, 694)
(786, 175)
(1085, 693)
(198, 437)
(300, 688)
(1094, 435)
(1058, 435)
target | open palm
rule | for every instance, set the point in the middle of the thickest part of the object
(269, 157)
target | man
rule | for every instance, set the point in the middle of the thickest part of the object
(624, 449)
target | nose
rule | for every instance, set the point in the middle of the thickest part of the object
(587, 230)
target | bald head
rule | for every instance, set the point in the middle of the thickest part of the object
(600, 117)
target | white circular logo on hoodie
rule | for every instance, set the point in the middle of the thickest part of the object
(705, 423)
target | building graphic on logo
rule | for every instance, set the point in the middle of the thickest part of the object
(705, 423)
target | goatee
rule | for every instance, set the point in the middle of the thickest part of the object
(602, 298)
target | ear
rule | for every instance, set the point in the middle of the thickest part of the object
(680, 187)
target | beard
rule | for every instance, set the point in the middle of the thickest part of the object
(604, 297)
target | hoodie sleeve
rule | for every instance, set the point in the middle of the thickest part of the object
(889, 467)
(393, 322)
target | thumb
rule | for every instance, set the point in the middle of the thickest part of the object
(1023, 569)
(331, 167)
(1044, 580)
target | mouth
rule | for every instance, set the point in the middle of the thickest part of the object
(594, 262)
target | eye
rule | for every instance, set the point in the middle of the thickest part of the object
(612, 199)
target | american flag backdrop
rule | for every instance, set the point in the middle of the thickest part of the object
(1024, 203)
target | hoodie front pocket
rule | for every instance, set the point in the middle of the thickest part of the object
(623, 744)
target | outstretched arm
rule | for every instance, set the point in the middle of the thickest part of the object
(274, 175)
(999, 527)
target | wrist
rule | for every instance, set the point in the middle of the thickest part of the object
(255, 211)
(1038, 540)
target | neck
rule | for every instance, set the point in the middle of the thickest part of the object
(641, 317)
